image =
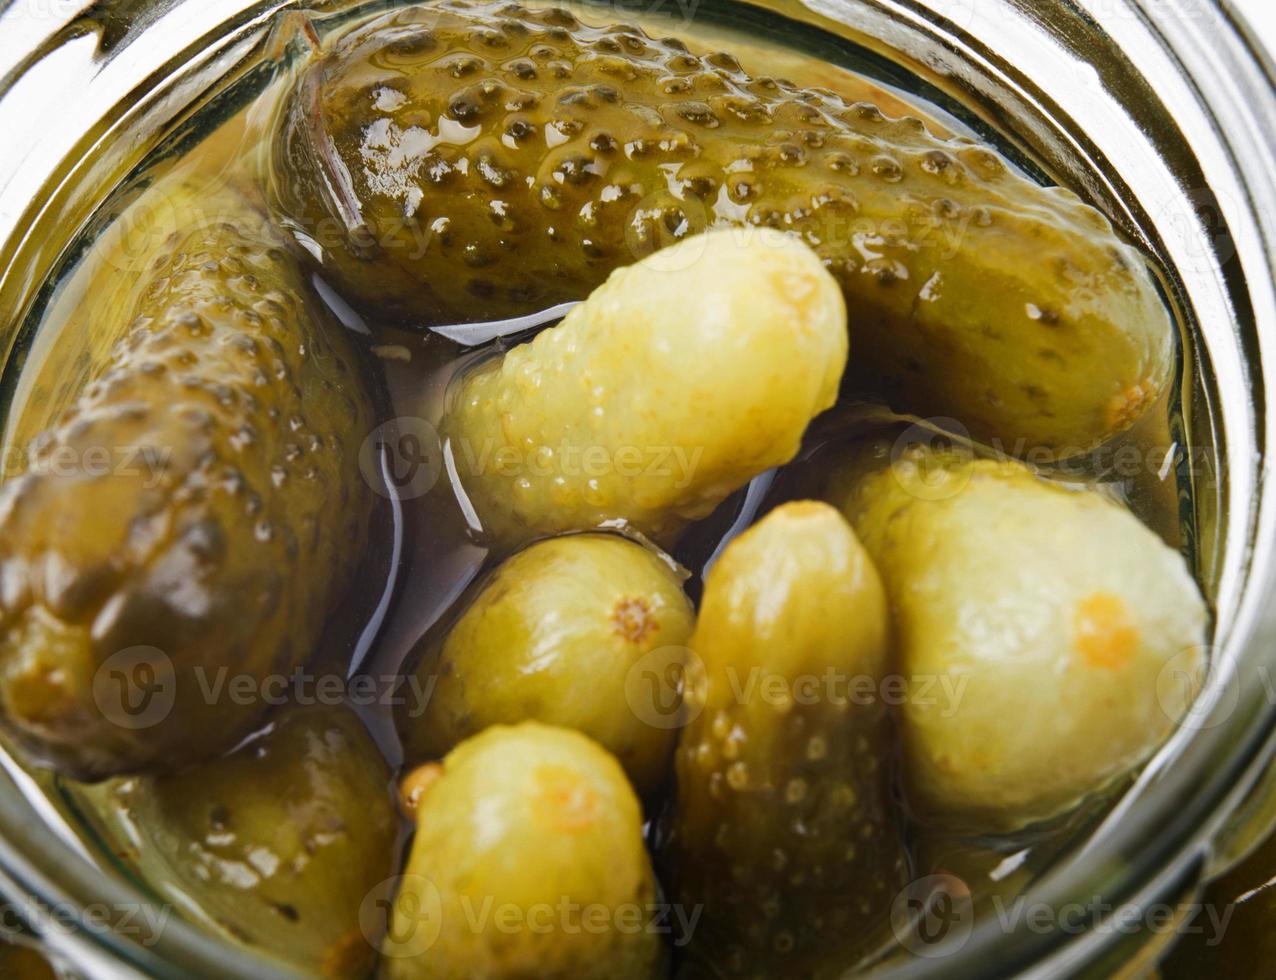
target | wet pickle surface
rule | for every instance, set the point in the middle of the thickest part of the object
(681, 378)
(279, 843)
(555, 636)
(783, 828)
(1063, 637)
(527, 829)
(235, 411)
(472, 161)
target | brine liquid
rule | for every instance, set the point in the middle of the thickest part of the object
(421, 557)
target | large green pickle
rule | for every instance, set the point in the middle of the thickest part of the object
(458, 161)
(558, 635)
(280, 844)
(1050, 642)
(783, 828)
(680, 379)
(528, 861)
(193, 516)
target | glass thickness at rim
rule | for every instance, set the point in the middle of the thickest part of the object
(1020, 62)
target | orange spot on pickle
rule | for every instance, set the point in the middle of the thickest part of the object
(414, 787)
(632, 619)
(1126, 407)
(563, 799)
(1103, 632)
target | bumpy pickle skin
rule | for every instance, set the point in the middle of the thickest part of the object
(679, 380)
(202, 498)
(471, 161)
(538, 826)
(278, 843)
(783, 828)
(1059, 638)
(553, 636)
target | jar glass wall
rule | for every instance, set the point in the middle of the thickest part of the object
(1159, 112)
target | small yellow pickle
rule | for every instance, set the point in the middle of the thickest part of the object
(555, 636)
(677, 381)
(528, 862)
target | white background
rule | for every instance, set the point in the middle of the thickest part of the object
(1262, 14)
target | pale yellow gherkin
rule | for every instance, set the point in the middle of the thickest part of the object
(1051, 641)
(676, 382)
(528, 861)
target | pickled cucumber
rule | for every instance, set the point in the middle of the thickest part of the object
(554, 636)
(196, 511)
(676, 382)
(784, 828)
(278, 844)
(528, 862)
(458, 161)
(1049, 639)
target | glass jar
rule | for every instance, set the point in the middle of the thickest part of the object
(1161, 112)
